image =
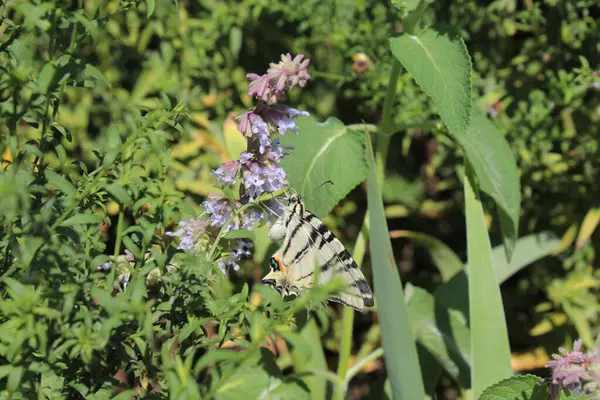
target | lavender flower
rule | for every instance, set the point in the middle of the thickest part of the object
(260, 122)
(251, 218)
(219, 210)
(576, 371)
(242, 249)
(227, 172)
(189, 233)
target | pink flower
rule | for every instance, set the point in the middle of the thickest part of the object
(575, 370)
(279, 78)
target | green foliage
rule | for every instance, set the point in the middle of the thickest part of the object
(494, 167)
(114, 113)
(518, 387)
(318, 168)
(438, 60)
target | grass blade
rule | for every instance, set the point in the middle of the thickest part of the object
(399, 347)
(490, 364)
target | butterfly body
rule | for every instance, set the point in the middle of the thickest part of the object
(309, 247)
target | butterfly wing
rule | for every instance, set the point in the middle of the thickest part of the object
(310, 243)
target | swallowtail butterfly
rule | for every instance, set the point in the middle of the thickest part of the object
(308, 244)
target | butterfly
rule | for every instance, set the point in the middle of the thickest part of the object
(308, 244)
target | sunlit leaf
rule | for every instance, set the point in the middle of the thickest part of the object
(317, 168)
(439, 61)
(588, 226)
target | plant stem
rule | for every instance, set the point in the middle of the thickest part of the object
(414, 17)
(387, 123)
(360, 248)
(119, 238)
(360, 364)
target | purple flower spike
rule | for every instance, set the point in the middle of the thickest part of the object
(290, 71)
(189, 233)
(281, 117)
(258, 169)
(280, 77)
(251, 218)
(227, 172)
(242, 250)
(219, 210)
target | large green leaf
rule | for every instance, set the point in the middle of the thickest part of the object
(495, 168)
(324, 151)
(399, 347)
(489, 363)
(442, 331)
(439, 61)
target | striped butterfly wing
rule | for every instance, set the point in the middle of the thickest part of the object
(309, 244)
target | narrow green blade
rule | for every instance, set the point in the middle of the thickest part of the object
(399, 347)
(490, 350)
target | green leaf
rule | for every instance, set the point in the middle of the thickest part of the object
(239, 234)
(399, 347)
(119, 193)
(60, 183)
(82, 219)
(528, 249)
(443, 332)
(235, 41)
(439, 61)
(95, 73)
(496, 171)
(431, 371)
(22, 54)
(308, 357)
(46, 78)
(14, 378)
(150, 4)
(486, 311)
(407, 5)
(259, 379)
(522, 387)
(322, 153)
(132, 247)
(444, 258)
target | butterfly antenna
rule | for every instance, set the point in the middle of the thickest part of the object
(323, 184)
(262, 204)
